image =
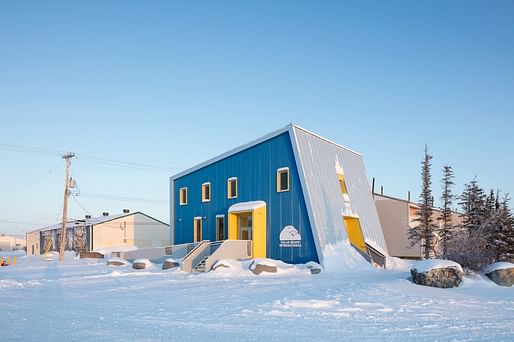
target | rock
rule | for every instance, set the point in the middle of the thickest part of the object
(91, 255)
(220, 265)
(257, 268)
(140, 264)
(501, 273)
(313, 267)
(117, 262)
(438, 277)
(170, 263)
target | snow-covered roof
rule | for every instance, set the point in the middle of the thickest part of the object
(72, 223)
(246, 206)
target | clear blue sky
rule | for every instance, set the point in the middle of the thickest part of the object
(175, 83)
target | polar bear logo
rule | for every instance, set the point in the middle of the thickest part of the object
(290, 233)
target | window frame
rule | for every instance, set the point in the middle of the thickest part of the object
(229, 193)
(342, 183)
(218, 218)
(180, 196)
(281, 171)
(195, 234)
(204, 186)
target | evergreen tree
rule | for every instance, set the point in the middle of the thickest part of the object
(491, 230)
(445, 217)
(505, 238)
(472, 203)
(424, 231)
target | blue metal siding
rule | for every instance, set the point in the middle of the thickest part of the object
(255, 169)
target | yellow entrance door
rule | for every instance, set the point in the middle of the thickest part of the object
(249, 225)
(353, 227)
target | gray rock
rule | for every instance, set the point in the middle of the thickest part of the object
(259, 268)
(314, 267)
(503, 277)
(439, 277)
(139, 265)
(220, 265)
(114, 262)
(169, 264)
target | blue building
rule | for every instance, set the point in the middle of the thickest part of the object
(291, 192)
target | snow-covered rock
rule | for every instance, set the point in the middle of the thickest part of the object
(170, 263)
(437, 273)
(313, 267)
(117, 262)
(141, 264)
(263, 265)
(502, 273)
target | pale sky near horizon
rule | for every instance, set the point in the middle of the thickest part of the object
(173, 84)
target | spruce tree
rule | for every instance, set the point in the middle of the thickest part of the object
(505, 238)
(424, 231)
(472, 203)
(445, 217)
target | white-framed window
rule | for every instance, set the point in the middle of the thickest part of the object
(206, 192)
(283, 179)
(197, 226)
(183, 196)
(220, 227)
(232, 187)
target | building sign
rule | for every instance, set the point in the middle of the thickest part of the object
(290, 237)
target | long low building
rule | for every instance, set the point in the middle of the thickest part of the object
(89, 234)
(396, 217)
(9, 243)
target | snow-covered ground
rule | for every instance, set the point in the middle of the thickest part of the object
(87, 300)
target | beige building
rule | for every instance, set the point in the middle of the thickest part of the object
(396, 217)
(9, 243)
(90, 234)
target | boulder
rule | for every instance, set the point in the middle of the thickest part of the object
(91, 255)
(170, 263)
(313, 267)
(437, 273)
(140, 264)
(257, 268)
(117, 262)
(220, 265)
(501, 273)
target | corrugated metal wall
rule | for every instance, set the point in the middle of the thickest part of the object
(319, 164)
(255, 169)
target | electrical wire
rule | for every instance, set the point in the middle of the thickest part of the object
(121, 198)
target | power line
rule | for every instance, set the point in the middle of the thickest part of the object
(123, 199)
(88, 158)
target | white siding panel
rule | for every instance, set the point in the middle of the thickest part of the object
(320, 161)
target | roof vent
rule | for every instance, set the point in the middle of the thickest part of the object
(126, 211)
(88, 217)
(105, 213)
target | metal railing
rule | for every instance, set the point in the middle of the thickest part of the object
(195, 256)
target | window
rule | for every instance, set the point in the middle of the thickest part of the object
(283, 179)
(342, 184)
(232, 187)
(197, 229)
(183, 196)
(206, 192)
(220, 228)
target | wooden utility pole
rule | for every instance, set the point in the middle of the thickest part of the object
(67, 157)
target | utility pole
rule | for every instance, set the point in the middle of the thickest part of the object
(67, 157)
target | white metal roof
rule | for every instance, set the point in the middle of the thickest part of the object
(246, 206)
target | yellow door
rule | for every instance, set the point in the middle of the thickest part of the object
(353, 227)
(249, 225)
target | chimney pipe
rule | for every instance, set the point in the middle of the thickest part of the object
(381, 189)
(105, 213)
(88, 216)
(126, 211)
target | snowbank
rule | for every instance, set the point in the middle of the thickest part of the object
(397, 264)
(498, 266)
(430, 264)
(342, 257)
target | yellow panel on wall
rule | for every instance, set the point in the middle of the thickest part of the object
(353, 227)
